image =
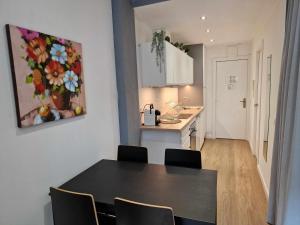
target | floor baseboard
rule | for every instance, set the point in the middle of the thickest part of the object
(263, 182)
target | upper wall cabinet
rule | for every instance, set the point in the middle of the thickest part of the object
(177, 68)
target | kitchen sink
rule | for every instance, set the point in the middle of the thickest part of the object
(166, 121)
(184, 116)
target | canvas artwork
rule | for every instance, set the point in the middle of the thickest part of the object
(48, 77)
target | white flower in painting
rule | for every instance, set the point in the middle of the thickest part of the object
(58, 53)
(71, 81)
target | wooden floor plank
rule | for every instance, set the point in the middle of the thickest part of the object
(241, 198)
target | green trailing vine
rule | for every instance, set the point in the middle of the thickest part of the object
(158, 45)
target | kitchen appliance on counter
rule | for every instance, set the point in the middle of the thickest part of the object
(151, 116)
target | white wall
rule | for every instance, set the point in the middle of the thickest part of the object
(220, 52)
(157, 96)
(33, 159)
(271, 33)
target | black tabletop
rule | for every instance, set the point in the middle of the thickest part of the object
(190, 192)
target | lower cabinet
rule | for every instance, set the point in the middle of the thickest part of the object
(200, 126)
(156, 141)
(185, 138)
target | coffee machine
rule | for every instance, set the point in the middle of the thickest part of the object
(151, 116)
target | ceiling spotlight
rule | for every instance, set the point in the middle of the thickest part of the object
(203, 17)
(207, 30)
(212, 40)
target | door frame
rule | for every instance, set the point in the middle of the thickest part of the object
(214, 97)
(258, 102)
(256, 99)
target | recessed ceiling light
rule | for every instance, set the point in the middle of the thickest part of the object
(207, 30)
(212, 40)
(203, 17)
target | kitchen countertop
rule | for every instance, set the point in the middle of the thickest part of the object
(178, 126)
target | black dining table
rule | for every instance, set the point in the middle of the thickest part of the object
(192, 193)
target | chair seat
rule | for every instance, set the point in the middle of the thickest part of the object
(136, 213)
(183, 158)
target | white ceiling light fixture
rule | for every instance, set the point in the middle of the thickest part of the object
(203, 17)
(212, 40)
(207, 30)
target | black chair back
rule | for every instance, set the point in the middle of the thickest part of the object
(132, 154)
(135, 213)
(70, 208)
(183, 158)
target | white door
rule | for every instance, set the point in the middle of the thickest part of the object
(231, 93)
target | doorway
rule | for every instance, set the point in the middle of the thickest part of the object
(231, 99)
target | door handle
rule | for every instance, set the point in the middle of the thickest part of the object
(244, 101)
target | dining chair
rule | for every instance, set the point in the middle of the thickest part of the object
(136, 213)
(183, 158)
(71, 208)
(106, 219)
(132, 153)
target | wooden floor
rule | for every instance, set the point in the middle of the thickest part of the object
(241, 198)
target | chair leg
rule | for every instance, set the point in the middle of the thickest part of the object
(106, 219)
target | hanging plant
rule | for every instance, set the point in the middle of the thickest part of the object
(181, 46)
(168, 39)
(186, 49)
(158, 45)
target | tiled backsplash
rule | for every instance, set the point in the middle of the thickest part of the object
(159, 97)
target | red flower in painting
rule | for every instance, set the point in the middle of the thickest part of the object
(37, 50)
(37, 81)
(72, 55)
(36, 76)
(76, 68)
(40, 88)
(55, 73)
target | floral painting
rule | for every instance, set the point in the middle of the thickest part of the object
(48, 77)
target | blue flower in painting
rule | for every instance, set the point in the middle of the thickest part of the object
(70, 80)
(58, 53)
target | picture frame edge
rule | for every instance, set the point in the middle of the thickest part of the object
(13, 75)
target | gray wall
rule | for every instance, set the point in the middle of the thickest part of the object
(193, 95)
(136, 3)
(126, 71)
(126, 68)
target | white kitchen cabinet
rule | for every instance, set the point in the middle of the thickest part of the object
(201, 129)
(185, 69)
(170, 71)
(185, 137)
(150, 73)
(156, 141)
(177, 67)
(189, 76)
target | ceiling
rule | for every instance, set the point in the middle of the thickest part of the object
(229, 21)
